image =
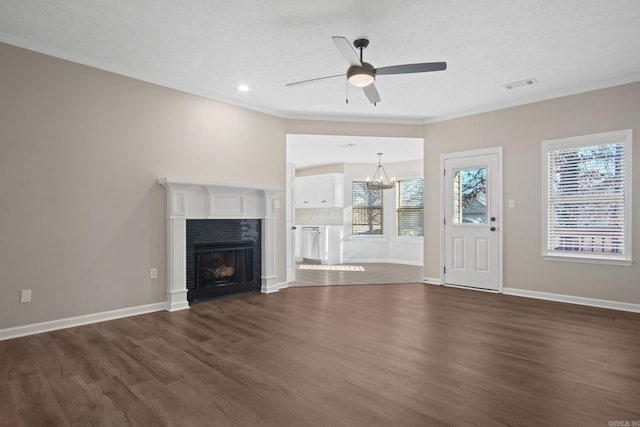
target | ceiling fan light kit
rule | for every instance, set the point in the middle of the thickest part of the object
(362, 74)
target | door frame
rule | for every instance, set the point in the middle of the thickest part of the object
(290, 224)
(499, 195)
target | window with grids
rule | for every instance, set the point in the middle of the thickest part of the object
(588, 197)
(410, 210)
(367, 211)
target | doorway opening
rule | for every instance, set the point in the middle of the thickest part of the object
(326, 213)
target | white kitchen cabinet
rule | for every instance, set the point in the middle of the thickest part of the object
(305, 193)
(331, 244)
(320, 191)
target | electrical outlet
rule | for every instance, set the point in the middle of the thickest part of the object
(154, 273)
(512, 203)
(25, 295)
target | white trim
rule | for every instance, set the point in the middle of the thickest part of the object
(404, 262)
(365, 237)
(407, 239)
(283, 285)
(431, 281)
(177, 300)
(269, 285)
(69, 322)
(472, 153)
(591, 302)
(472, 288)
(586, 259)
(365, 260)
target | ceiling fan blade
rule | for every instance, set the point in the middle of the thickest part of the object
(304, 82)
(372, 93)
(412, 68)
(347, 51)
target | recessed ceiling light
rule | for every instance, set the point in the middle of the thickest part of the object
(243, 88)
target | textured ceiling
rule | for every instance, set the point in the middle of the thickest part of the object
(208, 47)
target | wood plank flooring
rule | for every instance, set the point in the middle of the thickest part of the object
(355, 274)
(392, 355)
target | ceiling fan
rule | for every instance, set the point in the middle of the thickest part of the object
(362, 74)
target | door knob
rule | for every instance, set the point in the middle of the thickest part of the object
(492, 229)
(493, 218)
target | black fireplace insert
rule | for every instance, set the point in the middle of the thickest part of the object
(217, 267)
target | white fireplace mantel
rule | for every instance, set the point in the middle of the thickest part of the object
(197, 199)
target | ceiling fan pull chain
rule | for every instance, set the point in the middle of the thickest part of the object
(346, 91)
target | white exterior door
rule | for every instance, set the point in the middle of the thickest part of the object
(472, 193)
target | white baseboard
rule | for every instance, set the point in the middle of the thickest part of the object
(364, 260)
(405, 262)
(69, 322)
(614, 305)
(431, 281)
(381, 261)
(472, 288)
(269, 285)
(283, 285)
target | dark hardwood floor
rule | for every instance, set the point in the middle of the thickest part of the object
(389, 355)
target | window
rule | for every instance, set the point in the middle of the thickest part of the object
(470, 196)
(367, 210)
(587, 198)
(411, 207)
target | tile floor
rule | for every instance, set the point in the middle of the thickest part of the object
(355, 274)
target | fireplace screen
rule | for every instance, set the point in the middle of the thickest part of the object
(223, 257)
(223, 264)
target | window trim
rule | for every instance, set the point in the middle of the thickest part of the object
(621, 136)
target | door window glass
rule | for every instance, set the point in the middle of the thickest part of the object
(470, 196)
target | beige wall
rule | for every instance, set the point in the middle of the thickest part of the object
(82, 219)
(520, 131)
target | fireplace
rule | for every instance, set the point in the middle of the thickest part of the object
(251, 211)
(223, 257)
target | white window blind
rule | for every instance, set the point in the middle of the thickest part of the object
(587, 196)
(367, 210)
(410, 211)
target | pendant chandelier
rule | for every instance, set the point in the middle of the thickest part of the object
(380, 180)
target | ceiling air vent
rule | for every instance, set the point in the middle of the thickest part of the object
(521, 83)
